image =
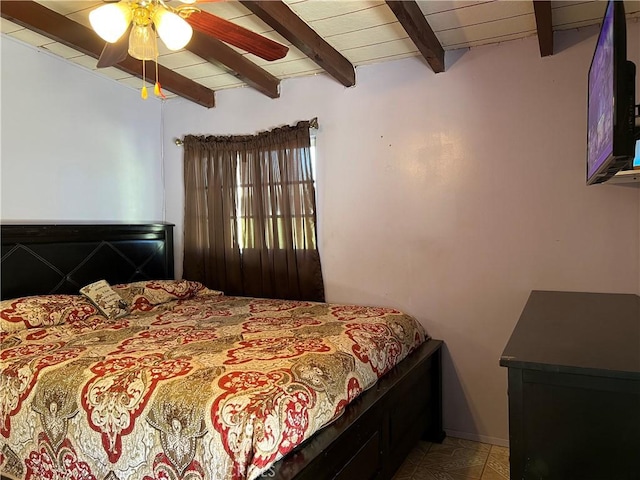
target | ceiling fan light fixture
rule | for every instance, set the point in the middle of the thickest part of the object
(142, 42)
(174, 30)
(110, 21)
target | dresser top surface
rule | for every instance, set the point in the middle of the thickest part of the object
(576, 332)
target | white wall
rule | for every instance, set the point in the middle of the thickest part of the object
(450, 196)
(75, 146)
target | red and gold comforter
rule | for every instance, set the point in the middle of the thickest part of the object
(208, 387)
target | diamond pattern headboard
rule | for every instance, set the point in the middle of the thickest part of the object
(62, 258)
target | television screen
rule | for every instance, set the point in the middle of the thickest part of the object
(611, 90)
(601, 108)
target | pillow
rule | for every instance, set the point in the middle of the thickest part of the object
(43, 311)
(106, 299)
(145, 295)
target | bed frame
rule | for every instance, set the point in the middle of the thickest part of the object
(369, 441)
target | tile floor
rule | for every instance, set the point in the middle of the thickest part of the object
(455, 459)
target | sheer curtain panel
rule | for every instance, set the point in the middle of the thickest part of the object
(250, 214)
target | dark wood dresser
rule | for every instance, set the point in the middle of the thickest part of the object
(573, 362)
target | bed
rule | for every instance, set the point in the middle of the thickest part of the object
(339, 421)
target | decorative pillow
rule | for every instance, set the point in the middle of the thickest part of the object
(145, 295)
(43, 311)
(106, 299)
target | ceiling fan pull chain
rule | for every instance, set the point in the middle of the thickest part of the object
(157, 89)
(144, 93)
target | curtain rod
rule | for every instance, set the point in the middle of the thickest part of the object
(313, 123)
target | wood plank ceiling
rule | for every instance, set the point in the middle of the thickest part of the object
(323, 36)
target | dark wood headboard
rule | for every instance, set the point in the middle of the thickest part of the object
(62, 258)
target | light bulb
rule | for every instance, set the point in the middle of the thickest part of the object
(110, 21)
(174, 30)
(142, 43)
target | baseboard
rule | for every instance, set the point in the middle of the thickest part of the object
(477, 438)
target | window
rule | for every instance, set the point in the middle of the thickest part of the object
(245, 219)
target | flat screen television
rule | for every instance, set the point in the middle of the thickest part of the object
(611, 97)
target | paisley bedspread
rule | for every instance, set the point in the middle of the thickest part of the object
(209, 387)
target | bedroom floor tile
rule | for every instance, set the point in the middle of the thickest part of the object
(455, 459)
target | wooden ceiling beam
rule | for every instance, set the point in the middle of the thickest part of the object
(283, 20)
(544, 25)
(57, 27)
(415, 24)
(215, 51)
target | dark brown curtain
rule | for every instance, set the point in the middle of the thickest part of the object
(250, 214)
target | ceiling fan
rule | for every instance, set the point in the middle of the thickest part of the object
(130, 27)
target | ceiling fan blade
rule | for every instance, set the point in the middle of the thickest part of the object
(237, 36)
(114, 53)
